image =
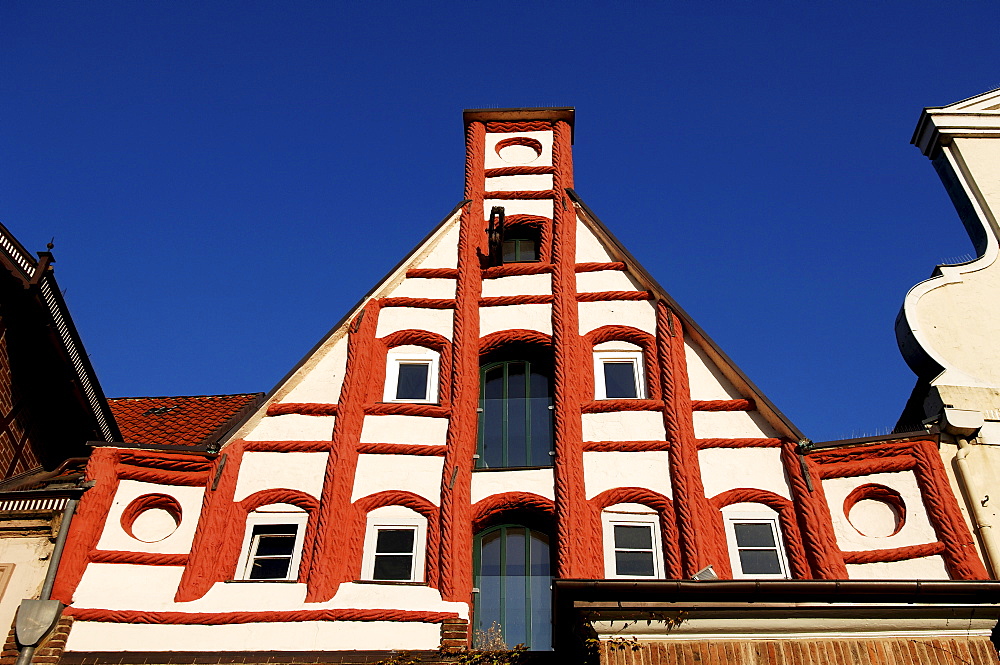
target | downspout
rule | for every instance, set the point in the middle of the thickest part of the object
(981, 521)
(45, 612)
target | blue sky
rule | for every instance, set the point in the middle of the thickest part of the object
(224, 179)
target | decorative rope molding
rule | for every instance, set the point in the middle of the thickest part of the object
(501, 301)
(597, 267)
(432, 273)
(519, 170)
(723, 405)
(499, 127)
(162, 477)
(737, 443)
(864, 467)
(407, 409)
(422, 303)
(625, 446)
(612, 405)
(499, 506)
(165, 461)
(301, 409)
(598, 296)
(894, 554)
(287, 446)
(138, 558)
(224, 618)
(520, 196)
(423, 450)
(512, 269)
(501, 338)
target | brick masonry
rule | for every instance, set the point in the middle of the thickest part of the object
(48, 652)
(953, 651)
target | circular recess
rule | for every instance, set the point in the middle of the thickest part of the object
(519, 150)
(152, 517)
(875, 511)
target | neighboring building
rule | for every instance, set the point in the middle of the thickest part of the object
(517, 402)
(949, 326)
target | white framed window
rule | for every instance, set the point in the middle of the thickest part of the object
(411, 375)
(756, 550)
(394, 545)
(272, 544)
(632, 543)
(619, 375)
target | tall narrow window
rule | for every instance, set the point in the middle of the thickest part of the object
(513, 581)
(755, 548)
(618, 375)
(272, 545)
(515, 415)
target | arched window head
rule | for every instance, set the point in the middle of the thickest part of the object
(394, 548)
(272, 543)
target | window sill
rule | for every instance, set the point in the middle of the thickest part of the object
(390, 582)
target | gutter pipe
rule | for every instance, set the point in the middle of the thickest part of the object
(982, 523)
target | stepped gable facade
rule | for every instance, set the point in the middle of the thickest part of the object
(517, 402)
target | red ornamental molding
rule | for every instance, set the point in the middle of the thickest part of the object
(150, 502)
(495, 341)
(164, 461)
(432, 273)
(598, 296)
(138, 558)
(500, 301)
(401, 449)
(162, 477)
(422, 303)
(881, 493)
(406, 409)
(895, 554)
(612, 405)
(521, 195)
(493, 508)
(653, 500)
(285, 446)
(519, 170)
(625, 446)
(596, 267)
(416, 337)
(224, 618)
(738, 443)
(301, 409)
(723, 405)
(864, 467)
(513, 269)
(523, 126)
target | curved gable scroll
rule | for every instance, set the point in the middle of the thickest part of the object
(653, 500)
(642, 339)
(791, 535)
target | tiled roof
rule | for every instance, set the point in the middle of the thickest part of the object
(179, 421)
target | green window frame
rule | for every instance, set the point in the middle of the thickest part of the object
(515, 415)
(513, 586)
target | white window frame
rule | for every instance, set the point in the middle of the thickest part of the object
(624, 517)
(734, 554)
(638, 372)
(299, 519)
(411, 357)
(374, 525)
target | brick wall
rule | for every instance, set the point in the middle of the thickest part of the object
(49, 651)
(954, 651)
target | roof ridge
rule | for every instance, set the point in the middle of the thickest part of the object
(113, 399)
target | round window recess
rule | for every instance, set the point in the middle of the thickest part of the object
(875, 511)
(152, 517)
(519, 150)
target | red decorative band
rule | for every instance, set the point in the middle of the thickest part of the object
(625, 446)
(881, 493)
(738, 443)
(521, 195)
(306, 502)
(895, 554)
(609, 405)
(287, 446)
(424, 303)
(301, 409)
(417, 337)
(723, 405)
(166, 462)
(499, 126)
(512, 221)
(596, 267)
(517, 269)
(519, 170)
(423, 450)
(222, 618)
(866, 467)
(433, 273)
(138, 558)
(613, 295)
(501, 301)
(498, 339)
(163, 477)
(494, 507)
(406, 409)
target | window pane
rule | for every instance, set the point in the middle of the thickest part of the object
(393, 566)
(754, 534)
(527, 250)
(760, 562)
(270, 569)
(515, 552)
(412, 382)
(275, 545)
(539, 555)
(634, 563)
(394, 541)
(509, 251)
(634, 537)
(489, 564)
(619, 380)
(290, 529)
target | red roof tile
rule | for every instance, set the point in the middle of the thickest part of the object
(179, 421)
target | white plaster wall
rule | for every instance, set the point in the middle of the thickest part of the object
(706, 380)
(731, 425)
(420, 287)
(443, 254)
(624, 426)
(30, 557)
(538, 207)
(723, 469)
(617, 345)
(917, 529)
(588, 248)
(636, 313)
(405, 429)
(322, 382)
(412, 473)
(518, 285)
(519, 183)
(605, 280)
(297, 471)
(507, 317)
(286, 636)
(493, 161)
(293, 427)
(535, 481)
(924, 568)
(113, 537)
(391, 319)
(604, 471)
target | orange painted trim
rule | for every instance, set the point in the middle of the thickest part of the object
(401, 449)
(512, 269)
(138, 558)
(613, 405)
(301, 409)
(737, 443)
(597, 267)
(224, 618)
(501, 301)
(600, 296)
(723, 405)
(894, 554)
(420, 303)
(625, 446)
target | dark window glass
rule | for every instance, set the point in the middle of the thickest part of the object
(394, 554)
(520, 250)
(271, 549)
(639, 564)
(634, 550)
(754, 534)
(760, 562)
(412, 381)
(758, 548)
(395, 541)
(515, 415)
(270, 569)
(275, 546)
(393, 567)
(619, 380)
(633, 537)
